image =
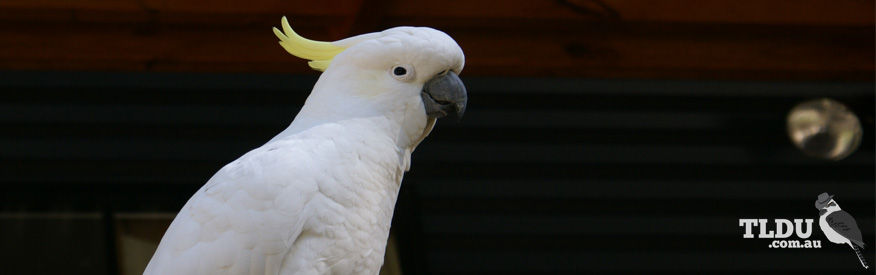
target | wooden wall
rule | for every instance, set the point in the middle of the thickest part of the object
(700, 39)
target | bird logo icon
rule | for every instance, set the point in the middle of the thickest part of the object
(838, 226)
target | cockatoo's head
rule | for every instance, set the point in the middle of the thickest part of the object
(409, 72)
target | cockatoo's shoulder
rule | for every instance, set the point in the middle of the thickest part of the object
(245, 218)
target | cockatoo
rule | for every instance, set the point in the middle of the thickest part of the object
(318, 198)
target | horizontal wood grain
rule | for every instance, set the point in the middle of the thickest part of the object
(805, 12)
(633, 50)
(713, 39)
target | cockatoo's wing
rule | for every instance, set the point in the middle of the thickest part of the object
(247, 216)
(845, 225)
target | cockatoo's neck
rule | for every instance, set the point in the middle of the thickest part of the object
(337, 100)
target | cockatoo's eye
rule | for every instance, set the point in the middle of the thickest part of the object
(402, 72)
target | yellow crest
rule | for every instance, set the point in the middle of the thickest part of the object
(319, 53)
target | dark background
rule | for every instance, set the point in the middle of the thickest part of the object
(600, 137)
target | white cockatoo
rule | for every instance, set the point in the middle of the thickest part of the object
(318, 198)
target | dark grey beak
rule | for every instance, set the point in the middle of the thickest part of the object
(444, 94)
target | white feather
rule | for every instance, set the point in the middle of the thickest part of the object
(318, 198)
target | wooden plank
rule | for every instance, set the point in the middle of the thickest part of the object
(677, 50)
(301, 7)
(697, 39)
(798, 12)
(127, 47)
(803, 12)
(685, 51)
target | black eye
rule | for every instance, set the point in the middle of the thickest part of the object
(399, 71)
(402, 72)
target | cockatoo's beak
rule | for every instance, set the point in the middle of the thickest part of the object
(444, 94)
